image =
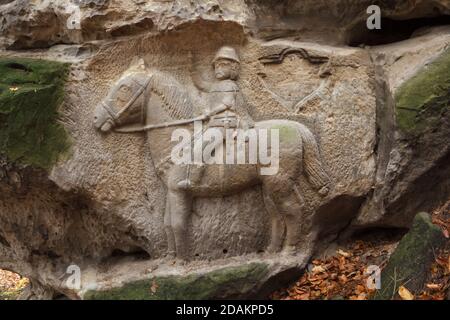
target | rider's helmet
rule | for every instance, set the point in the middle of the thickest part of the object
(228, 53)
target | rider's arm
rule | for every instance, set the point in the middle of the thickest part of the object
(228, 102)
(219, 109)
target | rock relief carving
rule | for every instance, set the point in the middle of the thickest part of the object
(148, 101)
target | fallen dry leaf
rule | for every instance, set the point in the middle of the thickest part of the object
(318, 269)
(434, 286)
(304, 296)
(405, 294)
(360, 289)
(299, 291)
(154, 287)
(343, 279)
(343, 253)
(362, 296)
(446, 233)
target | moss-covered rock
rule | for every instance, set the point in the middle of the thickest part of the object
(31, 92)
(409, 265)
(422, 100)
(227, 282)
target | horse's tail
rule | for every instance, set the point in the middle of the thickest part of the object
(312, 162)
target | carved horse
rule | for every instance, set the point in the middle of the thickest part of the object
(156, 103)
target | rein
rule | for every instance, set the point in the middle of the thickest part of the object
(161, 125)
(115, 115)
(202, 117)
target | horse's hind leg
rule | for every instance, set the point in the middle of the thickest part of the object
(300, 232)
(180, 210)
(290, 206)
(277, 224)
(308, 231)
(292, 210)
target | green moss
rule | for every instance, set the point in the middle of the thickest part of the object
(286, 132)
(31, 92)
(226, 282)
(421, 101)
(409, 264)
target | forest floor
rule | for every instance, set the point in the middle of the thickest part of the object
(342, 272)
(11, 285)
(339, 273)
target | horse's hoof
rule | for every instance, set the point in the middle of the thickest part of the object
(180, 262)
(271, 250)
(289, 250)
(169, 255)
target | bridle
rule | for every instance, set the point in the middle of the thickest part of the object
(116, 115)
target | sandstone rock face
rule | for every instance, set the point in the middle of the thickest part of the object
(412, 172)
(378, 117)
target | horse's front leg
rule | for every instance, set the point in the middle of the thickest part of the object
(277, 224)
(169, 230)
(180, 204)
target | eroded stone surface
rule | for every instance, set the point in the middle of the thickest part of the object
(222, 283)
(412, 173)
(34, 24)
(102, 207)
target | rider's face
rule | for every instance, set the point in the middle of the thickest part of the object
(222, 69)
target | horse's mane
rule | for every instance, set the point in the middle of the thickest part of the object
(176, 100)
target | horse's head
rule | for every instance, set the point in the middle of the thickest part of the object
(124, 98)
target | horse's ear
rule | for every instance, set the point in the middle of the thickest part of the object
(138, 64)
(141, 64)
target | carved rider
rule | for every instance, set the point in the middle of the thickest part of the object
(226, 106)
(226, 102)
